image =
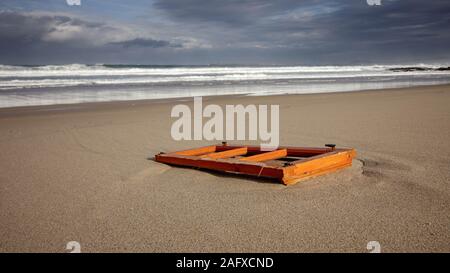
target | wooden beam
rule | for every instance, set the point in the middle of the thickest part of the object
(320, 161)
(226, 154)
(292, 151)
(318, 165)
(266, 156)
(248, 168)
(198, 151)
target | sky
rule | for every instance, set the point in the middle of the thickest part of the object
(202, 32)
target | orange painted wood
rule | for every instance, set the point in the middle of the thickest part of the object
(292, 151)
(317, 165)
(226, 154)
(311, 161)
(222, 165)
(266, 156)
(198, 151)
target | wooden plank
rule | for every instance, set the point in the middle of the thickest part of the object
(317, 161)
(322, 162)
(198, 151)
(226, 154)
(266, 156)
(247, 168)
(292, 151)
(291, 180)
(320, 165)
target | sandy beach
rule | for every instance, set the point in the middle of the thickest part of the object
(85, 173)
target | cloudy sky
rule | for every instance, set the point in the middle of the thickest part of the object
(224, 32)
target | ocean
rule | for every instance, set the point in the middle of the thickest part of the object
(78, 83)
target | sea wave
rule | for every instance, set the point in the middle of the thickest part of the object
(100, 69)
(18, 77)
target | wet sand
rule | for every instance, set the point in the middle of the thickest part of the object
(84, 173)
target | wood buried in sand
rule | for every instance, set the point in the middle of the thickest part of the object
(287, 164)
(226, 154)
(266, 156)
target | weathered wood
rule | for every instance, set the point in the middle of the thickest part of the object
(266, 156)
(223, 165)
(317, 166)
(312, 161)
(292, 151)
(198, 151)
(226, 154)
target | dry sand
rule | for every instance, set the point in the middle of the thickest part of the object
(82, 173)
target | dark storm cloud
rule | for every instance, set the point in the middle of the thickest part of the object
(39, 37)
(394, 22)
(237, 31)
(139, 42)
(233, 12)
(334, 31)
(18, 29)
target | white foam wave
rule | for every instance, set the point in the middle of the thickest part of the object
(17, 77)
(102, 70)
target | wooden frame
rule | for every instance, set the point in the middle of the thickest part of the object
(286, 164)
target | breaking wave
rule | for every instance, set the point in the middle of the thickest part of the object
(54, 84)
